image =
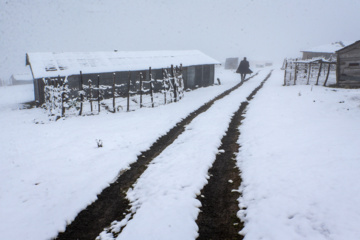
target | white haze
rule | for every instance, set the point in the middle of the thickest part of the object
(258, 29)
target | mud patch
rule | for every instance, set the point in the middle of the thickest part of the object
(219, 198)
(112, 204)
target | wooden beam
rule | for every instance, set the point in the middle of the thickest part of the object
(317, 80)
(327, 75)
(286, 63)
(309, 72)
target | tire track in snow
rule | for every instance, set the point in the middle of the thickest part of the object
(112, 203)
(219, 198)
(163, 200)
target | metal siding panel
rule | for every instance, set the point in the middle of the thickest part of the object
(206, 75)
(184, 75)
(191, 74)
(212, 75)
(198, 75)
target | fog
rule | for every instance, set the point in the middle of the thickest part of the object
(258, 29)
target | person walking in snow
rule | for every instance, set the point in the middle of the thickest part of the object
(243, 69)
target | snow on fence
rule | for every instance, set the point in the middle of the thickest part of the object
(62, 101)
(312, 71)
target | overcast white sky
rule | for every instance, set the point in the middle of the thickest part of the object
(258, 29)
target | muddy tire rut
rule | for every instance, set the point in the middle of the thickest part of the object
(111, 204)
(219, 198)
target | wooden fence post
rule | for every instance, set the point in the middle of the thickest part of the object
(308, 78)
(81, 93)
(98, 85)
(327, 75)
(128, 93)
(295, 76)
(62, 98)
(164, 86)
(317, 80)
(141, 78)
(90, 93)
(151, 88)
(173, 82)
(286, 63)
(113, 87)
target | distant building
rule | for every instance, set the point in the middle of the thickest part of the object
(348, 66)
(198, 68)
(20, 79)
(327, 51)
(231, 63)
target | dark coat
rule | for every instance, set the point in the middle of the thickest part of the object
(244, 67)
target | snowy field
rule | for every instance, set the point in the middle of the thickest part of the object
(298, 157)
(300, 163)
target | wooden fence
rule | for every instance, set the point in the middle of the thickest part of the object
(91, 98)
(308, 71)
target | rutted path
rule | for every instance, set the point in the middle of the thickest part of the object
(219, 198)
(111, 203)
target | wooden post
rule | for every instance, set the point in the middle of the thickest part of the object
(90, 90)
(317, 80)
(290, 78)
(308, 78)
(62, 98)
(113, 87)
(128, 93)
(53, 104)
(164, 82)
(151, 88)
(141, 88)
(286, 63)
(295, 76)
(327, 75)
(98, 85)
(173, 82)
(81, 93)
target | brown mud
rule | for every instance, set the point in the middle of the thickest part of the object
(219, 198)
(112, 204)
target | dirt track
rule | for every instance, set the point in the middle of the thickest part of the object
(111, 203)
(217, 218)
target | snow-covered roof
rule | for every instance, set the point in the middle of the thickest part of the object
(314, 60)
(49, 64)
(329, 48)
(349, 46)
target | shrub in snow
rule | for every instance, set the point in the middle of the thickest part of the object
(56, 97)
(99, 143)
(114, 97)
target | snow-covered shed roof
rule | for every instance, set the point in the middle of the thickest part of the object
(49, 64)
(348, 46)
(329, 48)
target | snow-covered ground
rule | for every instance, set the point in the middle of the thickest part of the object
(300, 162)
(298, 157)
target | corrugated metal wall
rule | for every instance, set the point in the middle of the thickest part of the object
(194, 76)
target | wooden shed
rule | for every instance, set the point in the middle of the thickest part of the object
(348, 66)
(198, 68)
